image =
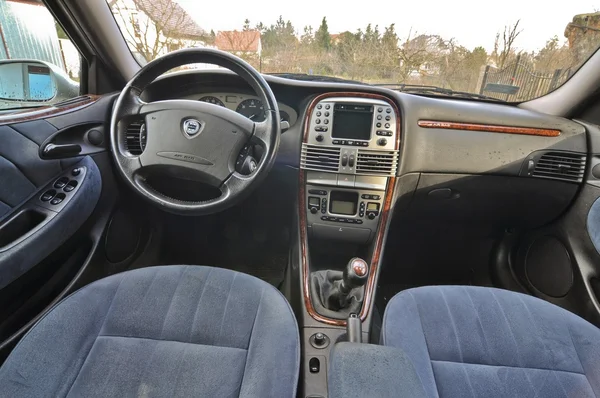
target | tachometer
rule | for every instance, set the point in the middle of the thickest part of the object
(212, 100)
(253, 109)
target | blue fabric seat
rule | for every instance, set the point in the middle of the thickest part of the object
(484, 342)
(174, 331)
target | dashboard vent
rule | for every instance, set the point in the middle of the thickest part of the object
(561, 166)
(377, 162)
(135, 138)
(320, 158)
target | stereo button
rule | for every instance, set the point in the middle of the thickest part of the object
(351, 161)
(318, 121)
(319, 137)
(336, 142)
(318, 114)
(344, 160)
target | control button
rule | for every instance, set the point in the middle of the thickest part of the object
(333, 218)
(388, 110)
(388, 118)
(324, 218)
(379, 117)
(70, 186)
(61, 182)
(387, 125)
(343, 142)
(371, 215)
(345, 180)
(318, 114)
(341, 219)
(382, 141)
(379, 110)
(314, 365)
(351, 221)
(321, 128)
(351, 161)
(327, 106)
(57, 199)
(350, 142)
(375, 197)
(378, 125)
(364, 196)
(336, 142)
(320, 339)
(314, 210)
(359, 221)
(48, 195)
(317, 192)
(380, 132)
(326, 121)
(326, 114)
(319, 137)
(76, 171)
(366, 143)
(318, 121)
(344, 160)
(319, 106)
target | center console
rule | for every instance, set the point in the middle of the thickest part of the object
(349, 153)
(349, 160)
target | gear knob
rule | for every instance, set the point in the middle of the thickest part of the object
(355, 274)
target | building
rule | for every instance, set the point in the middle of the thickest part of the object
(155, 27)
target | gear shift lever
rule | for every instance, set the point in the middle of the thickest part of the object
(355, 275)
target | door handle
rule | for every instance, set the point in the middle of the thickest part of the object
(61, 151)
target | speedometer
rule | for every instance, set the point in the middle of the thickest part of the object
(212, 100)
(253, 109)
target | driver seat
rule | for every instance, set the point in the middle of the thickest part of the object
(169, 331)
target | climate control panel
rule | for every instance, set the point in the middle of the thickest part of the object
(343, 214)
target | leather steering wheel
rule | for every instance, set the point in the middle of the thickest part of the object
(193, 140)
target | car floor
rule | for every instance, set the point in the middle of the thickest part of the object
(230, 240)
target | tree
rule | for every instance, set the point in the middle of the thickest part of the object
(308, 36)
(153, 28)
(246, 25)
(322, 36)
(509, 35)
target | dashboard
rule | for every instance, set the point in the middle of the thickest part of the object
(245, 104)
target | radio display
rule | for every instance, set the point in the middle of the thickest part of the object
(342, 202)
(352, 121)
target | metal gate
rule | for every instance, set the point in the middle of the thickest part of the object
(517, 82)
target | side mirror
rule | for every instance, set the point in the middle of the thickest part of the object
(30, 82)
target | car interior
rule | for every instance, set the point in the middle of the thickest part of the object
(222, 232)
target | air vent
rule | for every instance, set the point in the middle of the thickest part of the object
(377, 162)
(320, 158)
(135, 139)
(564, 166)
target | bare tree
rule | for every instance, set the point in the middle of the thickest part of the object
(154, 27)
(509, 36)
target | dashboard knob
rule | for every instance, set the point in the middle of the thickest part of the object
(313, 210)
(381, 141)
(371, 216)
(319, 137)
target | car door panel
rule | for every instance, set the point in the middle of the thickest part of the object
(32, 229)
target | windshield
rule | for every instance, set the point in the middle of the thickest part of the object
(514, 51)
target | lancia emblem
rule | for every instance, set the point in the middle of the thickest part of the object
(192, 127)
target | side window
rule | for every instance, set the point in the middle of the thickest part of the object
(39, 65)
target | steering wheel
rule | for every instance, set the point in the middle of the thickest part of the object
(193, 140)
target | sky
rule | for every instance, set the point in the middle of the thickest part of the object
(472, 23)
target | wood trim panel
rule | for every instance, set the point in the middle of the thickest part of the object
(378, 245)
(488, 128)
(26, 115)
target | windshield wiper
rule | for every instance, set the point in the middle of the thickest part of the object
(316, 78)
(434, 90)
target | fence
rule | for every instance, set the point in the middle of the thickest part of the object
(517, 82)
